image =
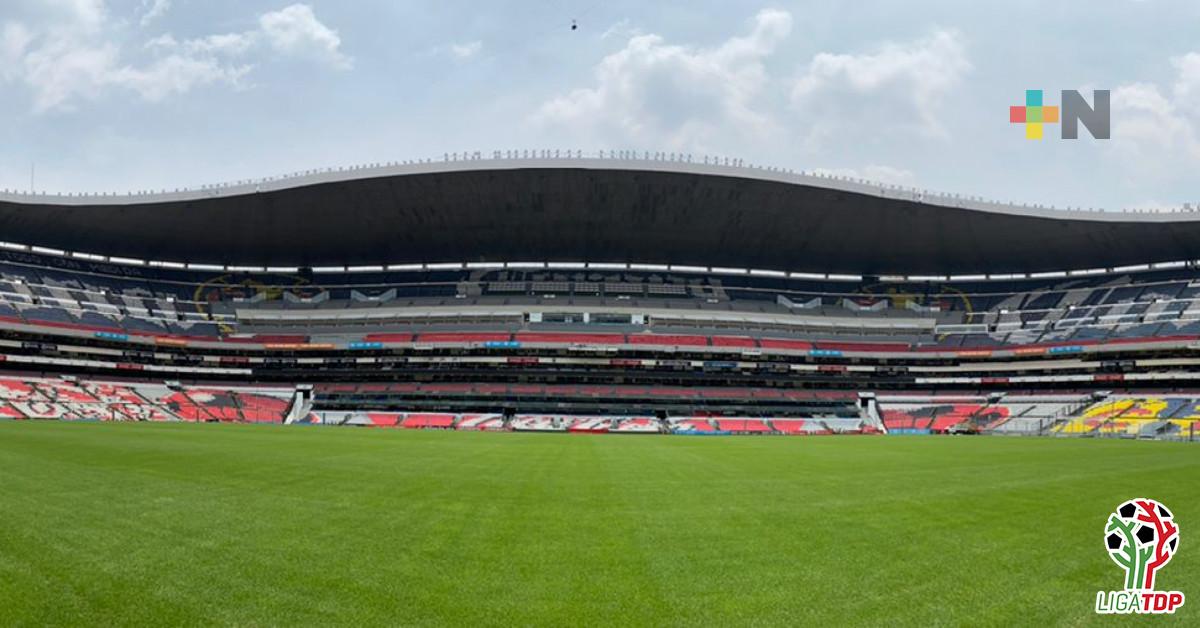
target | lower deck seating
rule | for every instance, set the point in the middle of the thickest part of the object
(844, 425)
(637, 425)
(1136, 416)
(480, 422)
(589, 424)
(743, 426)
(428, 421)
(51, 398)
(693, 425)
(936, 417)
(788, 426)
(538, 423)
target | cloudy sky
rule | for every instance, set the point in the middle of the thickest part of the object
(114, 95)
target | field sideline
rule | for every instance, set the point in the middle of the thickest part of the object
(104, 524)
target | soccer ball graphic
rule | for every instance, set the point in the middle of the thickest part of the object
(1141, 536)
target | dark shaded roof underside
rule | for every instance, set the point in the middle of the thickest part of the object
(598, 215)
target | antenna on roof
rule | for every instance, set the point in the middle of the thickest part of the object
(31, 177)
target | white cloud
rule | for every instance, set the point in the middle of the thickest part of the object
(73, 54)
(153, 9)
(1156, 132)
(662, 95)
(296, 30)
(897, 83)
(86, 15)
(652, 93)
(621, 30)
(14, 40)
(466, 50)
(225, 44)
(177, 74)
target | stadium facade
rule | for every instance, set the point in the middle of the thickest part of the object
(612, 293)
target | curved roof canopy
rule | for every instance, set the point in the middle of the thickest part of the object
(598, 210)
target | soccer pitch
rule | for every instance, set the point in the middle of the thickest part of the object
(154, 524)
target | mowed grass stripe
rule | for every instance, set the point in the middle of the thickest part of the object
(166, 524)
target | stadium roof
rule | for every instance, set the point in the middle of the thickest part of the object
(596, 210)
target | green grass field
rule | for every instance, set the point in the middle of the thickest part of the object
(114, 524)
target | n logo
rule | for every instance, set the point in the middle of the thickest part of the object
(1096, 117)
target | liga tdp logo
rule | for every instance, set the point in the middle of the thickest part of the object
(1141, 537)
(1035, 114)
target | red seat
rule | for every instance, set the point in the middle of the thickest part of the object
(788, 426)
(588, 339)
(778, 343)
(388, 338)
(734, 341)
(464, 337)
(414, 421)
(668, 340)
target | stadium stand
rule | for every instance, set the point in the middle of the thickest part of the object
(706, 329)
(42, 398)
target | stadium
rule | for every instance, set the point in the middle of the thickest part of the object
(881, 370)
(800, 314)
(628, 293)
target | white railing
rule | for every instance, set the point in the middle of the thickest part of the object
(516, 158)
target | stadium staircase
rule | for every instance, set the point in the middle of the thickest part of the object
(201, 409)
(138, 394)
(300, 407)
(1066, 416)
(237, 405)
(973, 421)
(870, 415)
(1107, 423)
(1156, 429)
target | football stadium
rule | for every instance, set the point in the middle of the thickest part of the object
(600, 385)
(584, 387)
